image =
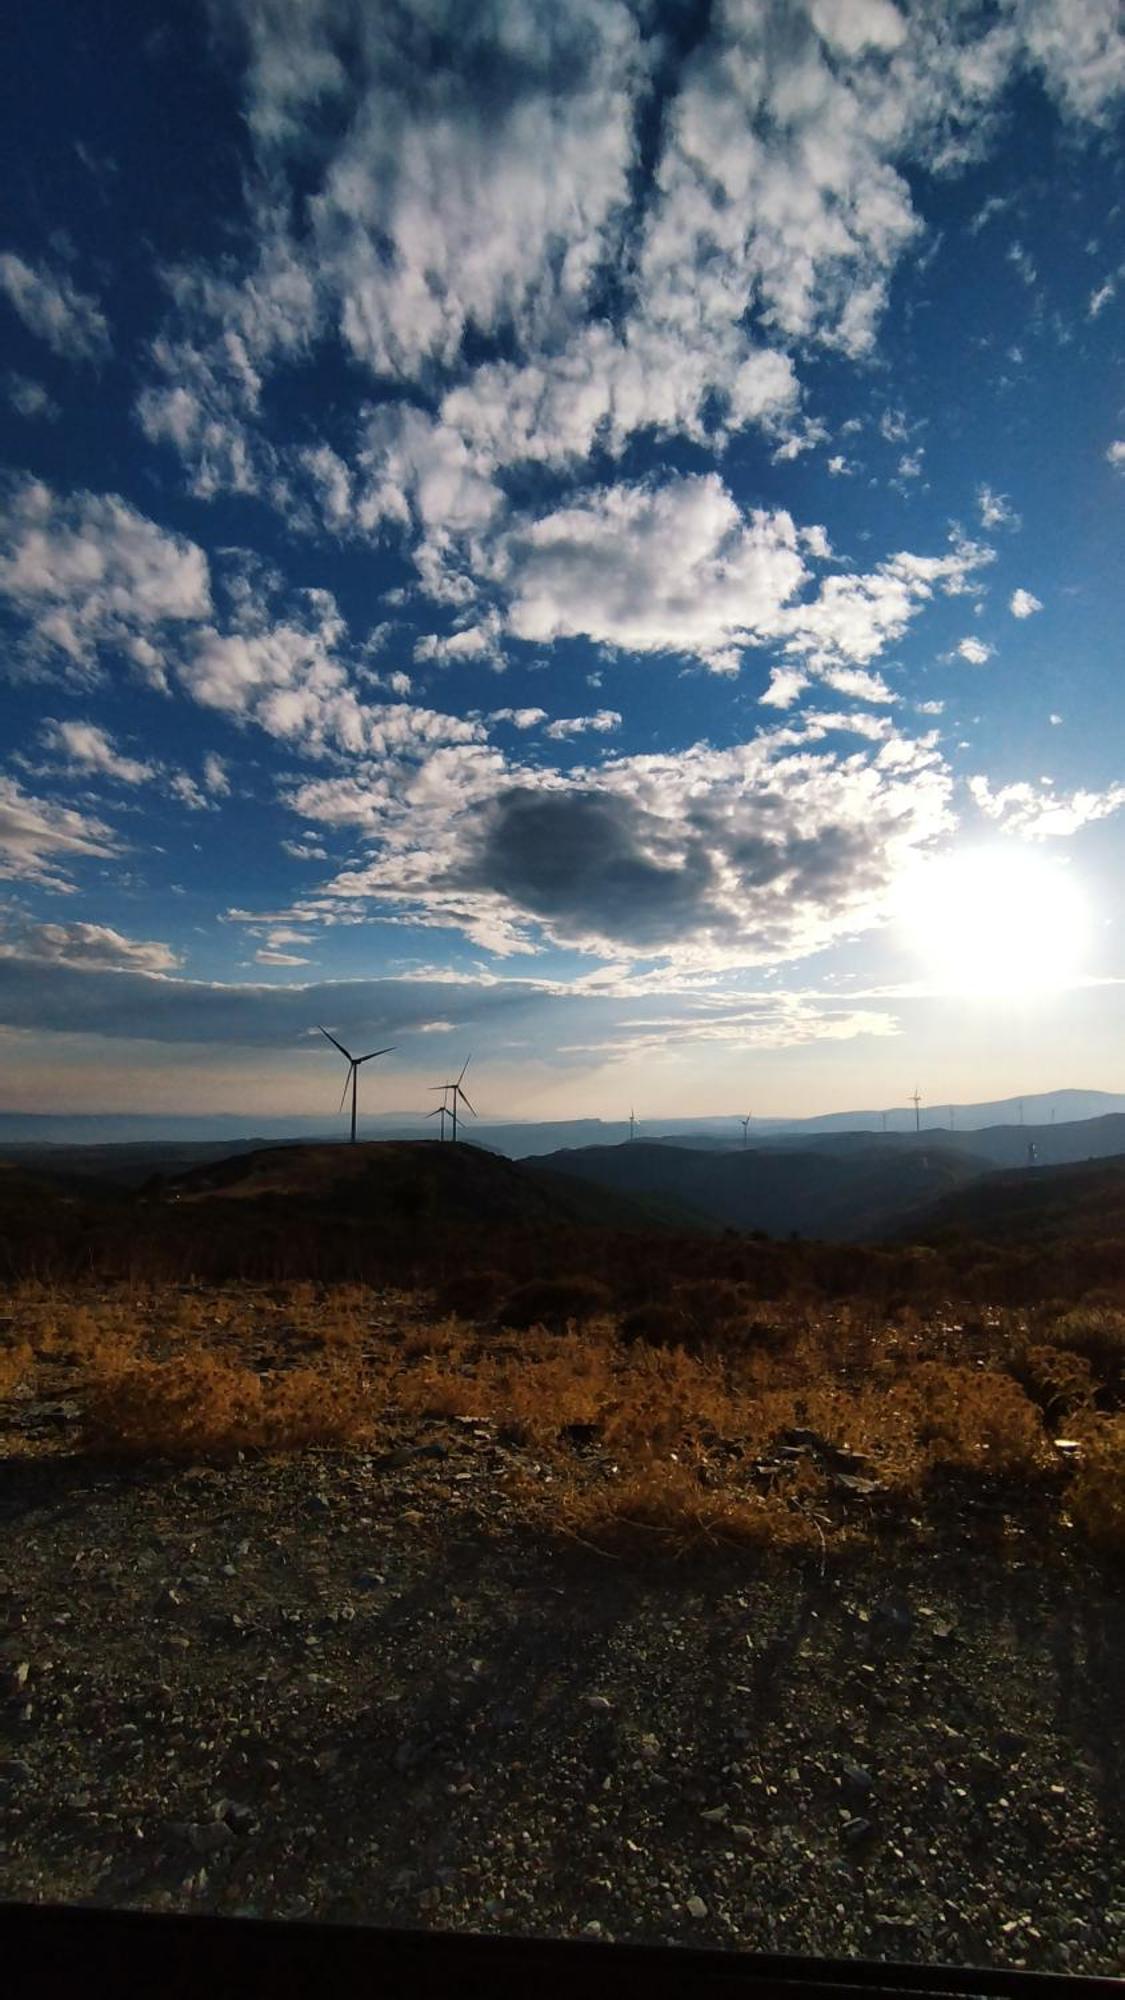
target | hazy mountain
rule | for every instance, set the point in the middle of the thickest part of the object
(524, 1140)
(867, 1193)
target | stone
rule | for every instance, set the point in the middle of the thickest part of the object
(696, 1907)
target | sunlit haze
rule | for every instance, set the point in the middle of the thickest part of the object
(616, 569)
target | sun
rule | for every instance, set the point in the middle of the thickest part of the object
(1003, 921)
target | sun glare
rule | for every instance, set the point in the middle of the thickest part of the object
(1004, 921)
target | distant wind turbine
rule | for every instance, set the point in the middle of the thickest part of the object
(632, 1125)
(354, 1063)
(442, 1112)
(916, 1101)
(745, 1124)
(459, 1096)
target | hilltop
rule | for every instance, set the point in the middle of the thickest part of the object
(1038, 1206)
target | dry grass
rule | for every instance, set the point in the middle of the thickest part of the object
(690, 1444)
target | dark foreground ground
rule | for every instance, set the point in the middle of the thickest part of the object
(316, 1688)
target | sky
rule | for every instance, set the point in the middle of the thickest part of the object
(587, 535)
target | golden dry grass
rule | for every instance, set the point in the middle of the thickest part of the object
(681, 1436)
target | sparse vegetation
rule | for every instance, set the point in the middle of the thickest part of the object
(665, 1426)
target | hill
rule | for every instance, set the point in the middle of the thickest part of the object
(1039, 1207)
(389, 1182)
(869, 1192)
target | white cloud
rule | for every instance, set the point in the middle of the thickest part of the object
(1116, 454)
(975, 651)
(1038, 812)
(88, 575)
(216, 776)
(85, 747)
(1101, 297)
(89, 947)
(1080, 47)
(675, 569)
(38, 838)
(30, 399)
(996, 511)
(51, 306)
(1022, 604)
(599, 724)
(520, 718)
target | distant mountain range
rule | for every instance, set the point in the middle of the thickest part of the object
(522, 1140)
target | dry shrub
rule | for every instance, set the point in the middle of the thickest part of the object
(1098, 1333)
(975, 1419)
(661, 1508)
(554, 1302)
(1097, 1496)
(200, 1403)
(1058, 1380)
(654, 1326)
(473, 1294)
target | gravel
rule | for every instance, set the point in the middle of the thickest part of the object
(317, 1687)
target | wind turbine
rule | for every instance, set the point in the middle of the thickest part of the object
(745, 1124)
(916, 1101)
(632, 1126)
(458, 1093)
(441, 1111)
(354, 1063)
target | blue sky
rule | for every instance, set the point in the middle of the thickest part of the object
(590, 535)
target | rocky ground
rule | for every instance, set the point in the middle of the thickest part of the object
(346, 1687)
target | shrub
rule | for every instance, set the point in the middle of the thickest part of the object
(1098, 1332)
(654, 1326)
(552, 1302)
(472, 1294)
(1097, 1496)
(198, 1402)
(1057, 1379)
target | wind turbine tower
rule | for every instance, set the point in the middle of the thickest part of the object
(459, 1096)
(354, 1063)
(916, 1101)
(632, 1125)
(745, 1124)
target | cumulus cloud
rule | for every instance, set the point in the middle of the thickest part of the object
(1115, 454)
(29, 398)
(975, 651)
(1022, 604)
(216, 776)
(599, 724)
(88, 947)
(1037, 812)
(761, 852)
(85, 747)
(89, 576)
(39, 839)
(51, 306)
(407, 216)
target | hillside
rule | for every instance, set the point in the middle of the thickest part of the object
(1040, 1206)
(867, 1193)
(412, 1181)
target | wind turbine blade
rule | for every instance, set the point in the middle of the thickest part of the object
(344, 1092)
(440, 1086)
(464, 1099)
(437, 1112)
(335, 1043)
(465, 1065)
(377, 1052)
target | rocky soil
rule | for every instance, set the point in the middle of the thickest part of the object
(345, 1687)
